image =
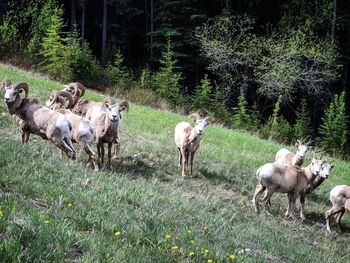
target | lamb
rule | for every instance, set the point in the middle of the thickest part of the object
(32, 117)
(340, 198)
(284, 156)
(275, 177)
(106, 119)
(82, 130)
(187, 140)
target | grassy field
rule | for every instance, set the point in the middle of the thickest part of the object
(55, 210)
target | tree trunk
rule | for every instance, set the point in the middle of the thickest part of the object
(83, 23)
(73, 19)
(334, 19)
(151, 29)
(104, 34)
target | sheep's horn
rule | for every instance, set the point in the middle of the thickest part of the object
(108, 100)
(67, 96)
(195, 116)
(209, 119)
(24, 86)
(332, 161)
(54, 95)
(78, 87)
(123, 104)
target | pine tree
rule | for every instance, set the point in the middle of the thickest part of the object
(302, 126)
(240, 117)
(118, 73)
(334, 130)
(166, 80)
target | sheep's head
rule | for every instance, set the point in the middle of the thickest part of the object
(12, 91)
(5, 83)
(302, 148)
(75, 88)
(316, 165)
(326, 169)
(59, 100)
(114, 110)
(200, 123)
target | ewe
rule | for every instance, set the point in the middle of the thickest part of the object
(187, 140)
(284, 156)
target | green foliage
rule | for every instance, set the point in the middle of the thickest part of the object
(8, 36)
(334, 129)
(146, 79)
(277, 126)
(302, 126)
(241, 118)
(207, 101)
(56, 52)
(167, 82)
(118, 74)
(83, 64)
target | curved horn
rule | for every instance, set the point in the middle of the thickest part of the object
(195, 116)
(108, 100)
(78, 87)
(123, 104)
(54, 95)
(67, 96)
(24, 86)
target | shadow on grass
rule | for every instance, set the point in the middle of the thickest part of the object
(318, 219)
(133, 167)
(215, 177)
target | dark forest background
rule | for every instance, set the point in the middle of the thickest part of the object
(277, 68)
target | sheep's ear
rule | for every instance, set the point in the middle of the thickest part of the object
(297, 143)
(209, 120)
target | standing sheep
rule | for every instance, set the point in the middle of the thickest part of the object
(284, 156)
(274, 177)
(340, 198)
(187, 140)
(32, 117)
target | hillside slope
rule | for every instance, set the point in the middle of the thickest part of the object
(54, 209)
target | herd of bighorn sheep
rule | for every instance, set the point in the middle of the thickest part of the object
(67, 118)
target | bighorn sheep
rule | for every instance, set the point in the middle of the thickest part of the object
(275, 177)
(5, 83)
(324, 174)
(284, 156)
(76, 89)
(82, 130)
(340, 198)
(187, 140)
(35, 118)
(105, 119)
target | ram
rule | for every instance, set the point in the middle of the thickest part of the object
(33, 117)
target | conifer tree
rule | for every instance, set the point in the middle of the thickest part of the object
(302, 126)
(240, 117)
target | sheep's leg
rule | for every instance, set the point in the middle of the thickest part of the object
(92, 157)
(180, 157)
(116, 154)
(60, 143)
(338, 218)
(268, 202)
(267, 198)
(291, 203)
(183, 157)
(25, 136)
(191, 161)
(334, 210)
(68, 142)
(258, 191)
(109, 164)
(100, 153)
(302, 206)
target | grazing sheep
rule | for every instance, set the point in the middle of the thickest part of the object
(105, 119)
(275, 177)
(35, 118)
(82, 130)
(187, 140)
(340, 198)
(284, 156)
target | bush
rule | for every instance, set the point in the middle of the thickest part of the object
(207, 101)
(334, 130)
(8, 36)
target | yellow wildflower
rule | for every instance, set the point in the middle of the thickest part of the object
(205, 227)
(192, 241)
(117, 233)
(46, 222)
(175, 248)
(210, 261)
(189, 232)
(70, 205)
(167, 237)
(232, 257)
(1, 213)
(191, 254)
(206, 251)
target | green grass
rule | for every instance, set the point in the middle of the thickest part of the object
(55, 210)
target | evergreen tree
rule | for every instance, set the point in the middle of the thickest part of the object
(241, 117)
(55, 51)
(334, 130)
(118, 73)
(166, 80)
(302, 127)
